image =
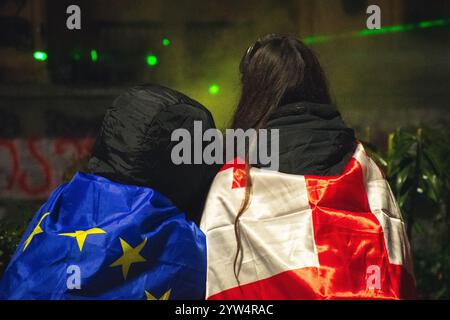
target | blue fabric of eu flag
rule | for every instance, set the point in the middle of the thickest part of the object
(95, 239)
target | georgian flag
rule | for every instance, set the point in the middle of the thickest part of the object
(308, 237)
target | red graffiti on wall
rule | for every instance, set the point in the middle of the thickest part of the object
(31, 168)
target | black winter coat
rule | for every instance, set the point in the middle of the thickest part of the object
(314, 139)
(134, 145)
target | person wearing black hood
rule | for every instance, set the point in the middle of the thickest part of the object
(122, 230)
(317, 227)
(134, 146)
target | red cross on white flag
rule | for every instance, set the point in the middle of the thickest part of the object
(308, 237)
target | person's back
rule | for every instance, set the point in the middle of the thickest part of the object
(120, 231)
(325, 225)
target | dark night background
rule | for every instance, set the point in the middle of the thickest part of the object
(51, 108)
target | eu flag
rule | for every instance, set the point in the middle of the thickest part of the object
(96, 239)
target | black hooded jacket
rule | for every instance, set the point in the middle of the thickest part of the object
(314, 139)
(134, 145)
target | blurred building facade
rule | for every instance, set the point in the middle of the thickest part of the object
(51, 108)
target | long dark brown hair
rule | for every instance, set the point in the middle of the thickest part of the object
(275, 70)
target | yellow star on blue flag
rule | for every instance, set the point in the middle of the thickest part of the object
(130, 255)
(81, 235)
(97, 239)
(35, 231)
(165, 296)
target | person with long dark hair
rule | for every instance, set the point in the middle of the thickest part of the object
(324, 225)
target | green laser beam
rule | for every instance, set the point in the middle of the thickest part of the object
(384, 30)
(40, 55)
(389, 29)
(76, 55)
(165, 42)
(94, 55)
(152, 60)
(214, 89)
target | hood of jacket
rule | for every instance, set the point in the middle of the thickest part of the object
(134, 145)
(313, 139)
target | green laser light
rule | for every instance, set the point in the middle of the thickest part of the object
(165, 42)
(373, 32)
(77, 56)
(40, 55)
(152, 60)
(316, 39)
(214, 89)
(94, 55)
